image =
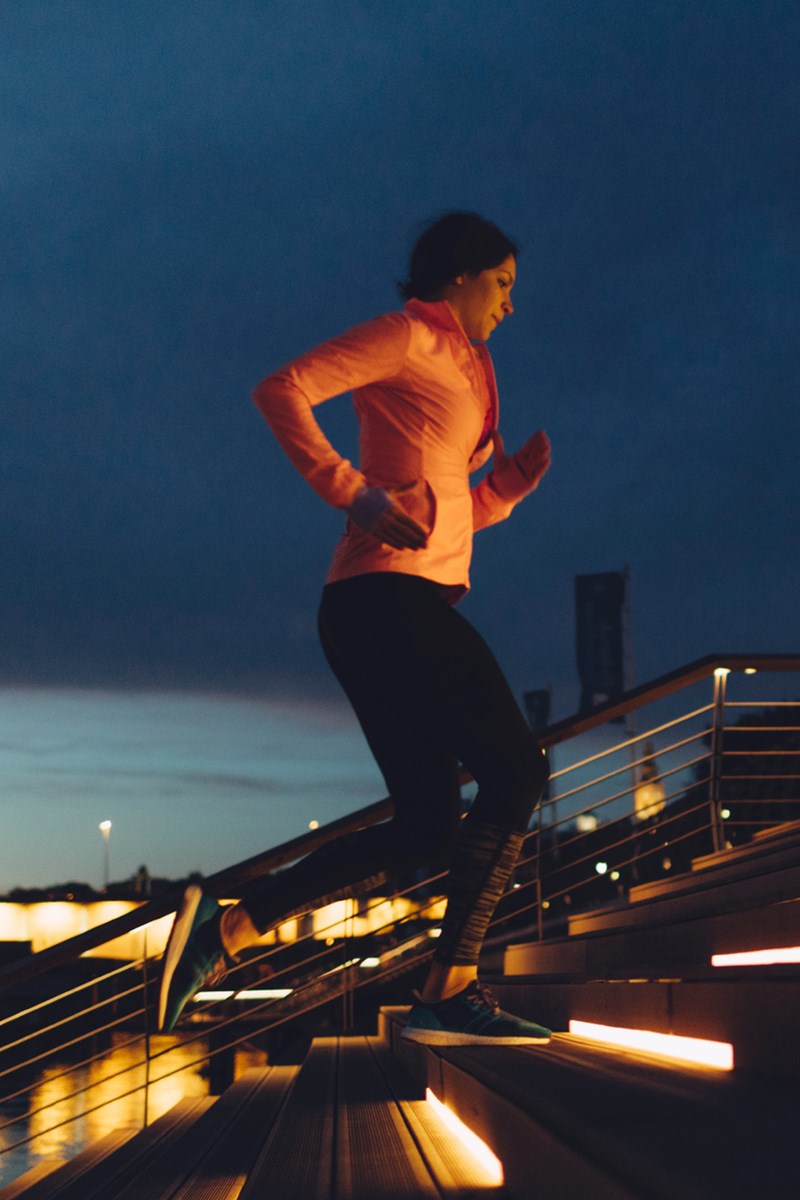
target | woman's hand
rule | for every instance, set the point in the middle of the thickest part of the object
(514, 476)
(376, 512)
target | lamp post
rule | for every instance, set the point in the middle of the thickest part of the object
(105, 829)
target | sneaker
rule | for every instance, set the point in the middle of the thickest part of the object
(470, 1018)
(194, 957)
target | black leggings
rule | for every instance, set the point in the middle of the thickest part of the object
(428, 694)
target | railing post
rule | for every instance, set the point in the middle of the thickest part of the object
(539, 914)
(145, 982)
(715, 774)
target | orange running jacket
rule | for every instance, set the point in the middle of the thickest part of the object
(426, 402)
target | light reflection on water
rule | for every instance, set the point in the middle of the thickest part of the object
(70, 1107)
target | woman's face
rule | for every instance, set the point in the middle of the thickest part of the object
(480, 302)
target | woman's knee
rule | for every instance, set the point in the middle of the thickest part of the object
(511, 787)
(430, 839)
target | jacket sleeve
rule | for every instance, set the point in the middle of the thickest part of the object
(368, 353)
(487, 507)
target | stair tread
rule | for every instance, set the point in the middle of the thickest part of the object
(352, 1128)
(220, 1172)
(51, 1179)
(90, 1174)
(182, 1154)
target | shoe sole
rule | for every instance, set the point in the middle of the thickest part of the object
(176, 944)
(443, 1037)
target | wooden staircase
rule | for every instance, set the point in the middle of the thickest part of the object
(568, 1120)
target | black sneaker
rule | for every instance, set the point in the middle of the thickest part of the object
(194, 957)
(470, 1018)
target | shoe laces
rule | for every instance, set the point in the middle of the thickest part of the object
(480, 996)
(476, 994)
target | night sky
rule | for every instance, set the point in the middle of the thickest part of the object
(192, 193)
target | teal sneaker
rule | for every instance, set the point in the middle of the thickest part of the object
(471, 1018)
(194, 957)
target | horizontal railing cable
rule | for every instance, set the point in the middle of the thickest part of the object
(81, 987)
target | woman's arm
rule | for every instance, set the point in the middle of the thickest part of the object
(368, 353)
(512, 478)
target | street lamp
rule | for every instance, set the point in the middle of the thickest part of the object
(105, 829)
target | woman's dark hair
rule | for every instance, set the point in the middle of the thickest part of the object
(457, 243)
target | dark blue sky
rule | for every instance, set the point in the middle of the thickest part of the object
(192, 193)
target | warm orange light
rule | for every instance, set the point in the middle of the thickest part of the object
(480, 1152)
(666, 1045)
(757, 958)
(245, 994)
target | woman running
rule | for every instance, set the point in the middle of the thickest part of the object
(424, 685)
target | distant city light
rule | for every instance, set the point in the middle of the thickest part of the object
(105, 829)
(601, 867)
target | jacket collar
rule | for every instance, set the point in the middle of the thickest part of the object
(439, 314)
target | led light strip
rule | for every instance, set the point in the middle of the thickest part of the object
(470, 1141)
(665, 1045)
(757, 958)
(247, 994)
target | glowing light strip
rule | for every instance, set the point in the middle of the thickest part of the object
(757, 958)
(666, 1045)
(470, 1141)
(247, 994)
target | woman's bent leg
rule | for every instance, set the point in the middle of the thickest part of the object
(419, 657)
(420, 772)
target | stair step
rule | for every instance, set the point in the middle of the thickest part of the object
(297, 1157)
(108, 1159)
(223, 1168)
(200, 1150)
(573, 1120)
(51, 1178)
(684, 944)
(746, 876)
(355, 1127)
(757, 1015)
(186, 1153)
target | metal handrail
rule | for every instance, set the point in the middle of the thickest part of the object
(226, 882)
(664, 685)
